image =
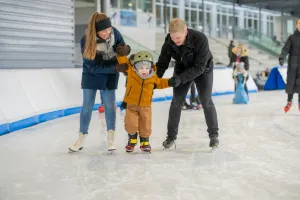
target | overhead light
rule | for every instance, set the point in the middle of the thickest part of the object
(130, 4)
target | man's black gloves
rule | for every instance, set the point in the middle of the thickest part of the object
(174, 81)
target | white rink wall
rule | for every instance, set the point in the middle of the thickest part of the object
(32, 96)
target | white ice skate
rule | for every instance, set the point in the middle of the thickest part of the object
(111, 140)
(78, 145)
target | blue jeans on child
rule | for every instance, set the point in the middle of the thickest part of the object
(108, 98)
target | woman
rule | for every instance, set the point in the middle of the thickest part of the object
(292, 47)
(99, 47)
(240, 55)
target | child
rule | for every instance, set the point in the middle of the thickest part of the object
(240, 75)
(141, 80)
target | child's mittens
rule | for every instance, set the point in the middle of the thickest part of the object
(123, 50)
(121, 67)
(174, 81)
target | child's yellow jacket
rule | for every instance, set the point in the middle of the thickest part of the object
(140, 91)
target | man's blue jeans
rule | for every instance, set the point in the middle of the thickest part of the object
(108, 98)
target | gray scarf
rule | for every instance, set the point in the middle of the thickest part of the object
(106, 48)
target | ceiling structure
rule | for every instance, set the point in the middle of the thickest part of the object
(287, 6)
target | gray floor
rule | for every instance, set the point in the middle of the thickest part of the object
(259, 158)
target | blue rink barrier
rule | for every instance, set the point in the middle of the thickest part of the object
(31, 121)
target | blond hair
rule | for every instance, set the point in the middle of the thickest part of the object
(297, 20)
(177, 25)
(90, 41)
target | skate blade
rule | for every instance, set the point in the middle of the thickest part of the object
(71, 151)
(146, 151)
(168, 148)
(111, 150)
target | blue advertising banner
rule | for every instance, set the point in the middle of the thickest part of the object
(128, 18)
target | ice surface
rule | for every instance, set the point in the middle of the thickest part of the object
(258, 158)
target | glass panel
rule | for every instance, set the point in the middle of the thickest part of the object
(128, 4)
(193, 15)
(145, 5)
(194, 5)
(224, 20)
(114, 3)
(271, 29)
(168, 14)
(250, 23)
(224, 10)
(200, 18)
(186, 13)
(175, 12)
(207, 18)
(175, 2)
(158, 15)
(255, 24)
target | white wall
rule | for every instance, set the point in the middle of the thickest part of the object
(28, 93)
(83, 14)
(144, 37)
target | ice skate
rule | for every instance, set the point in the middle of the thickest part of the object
(144, 144)
(199, 107)
(214, 142)
(169, 142)
(132, 141)
(101, 109)
(78, 145)
(288, 106)
(111, 140)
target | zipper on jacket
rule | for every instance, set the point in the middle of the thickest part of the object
(129, 90)
(141, 92)
(176, 50)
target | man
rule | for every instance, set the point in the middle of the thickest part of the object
(194, 62)
(292, 48)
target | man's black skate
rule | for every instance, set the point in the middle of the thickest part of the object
(214, 142)
(132, 141)
(144, 144)
(169, 142)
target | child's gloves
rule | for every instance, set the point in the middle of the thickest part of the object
(174, 81)
(121, 67)
(123, 50)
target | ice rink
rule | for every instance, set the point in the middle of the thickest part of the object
(258, 157)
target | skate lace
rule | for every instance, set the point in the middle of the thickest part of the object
(110, 137)
(79, 141)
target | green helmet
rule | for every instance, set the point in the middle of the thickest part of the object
(143, 56)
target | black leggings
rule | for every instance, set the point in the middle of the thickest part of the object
(290, 97)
